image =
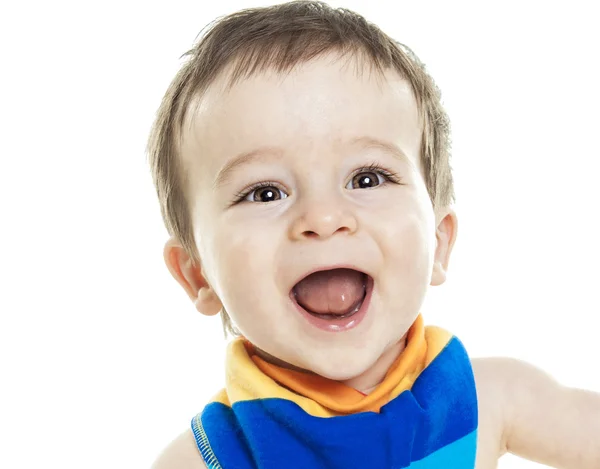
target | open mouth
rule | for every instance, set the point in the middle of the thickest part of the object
(332, 295)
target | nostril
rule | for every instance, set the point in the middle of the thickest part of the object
(315, 234)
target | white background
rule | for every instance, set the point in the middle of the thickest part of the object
(103, 358)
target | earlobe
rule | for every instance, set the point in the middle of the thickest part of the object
(191, 278)
(445, 237)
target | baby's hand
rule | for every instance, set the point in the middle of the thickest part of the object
(530, 415)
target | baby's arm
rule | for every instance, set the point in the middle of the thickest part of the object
(544, 421)
(181, 453)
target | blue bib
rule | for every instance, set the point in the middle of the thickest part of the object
(423, 415)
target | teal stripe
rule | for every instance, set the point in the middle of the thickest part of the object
(457, 455)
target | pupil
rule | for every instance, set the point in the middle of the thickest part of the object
(367, 180)
(267, 195)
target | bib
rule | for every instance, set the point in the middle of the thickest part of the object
(423, 415)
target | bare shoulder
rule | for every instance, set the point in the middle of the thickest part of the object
(491, 441)
(506, 390)
(181, 453)
(541, 419)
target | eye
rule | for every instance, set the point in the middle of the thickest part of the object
(265, 193)
(372, 176)
(366, 179)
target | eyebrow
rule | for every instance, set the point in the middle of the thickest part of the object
(268, 152)
(389, 147)
(244, 159)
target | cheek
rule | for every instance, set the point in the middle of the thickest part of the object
(416, 256)
(244, 263)
(410, 243)
(408, 248)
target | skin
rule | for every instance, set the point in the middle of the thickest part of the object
(299, 132)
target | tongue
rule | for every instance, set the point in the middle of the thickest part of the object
(331, 291)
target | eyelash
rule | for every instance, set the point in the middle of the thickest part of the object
(240, 196)
(389, 176)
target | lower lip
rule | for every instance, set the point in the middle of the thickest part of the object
(338, 325)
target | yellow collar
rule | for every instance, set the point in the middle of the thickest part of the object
(343, 399)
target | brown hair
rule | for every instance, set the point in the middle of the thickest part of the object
(281, 37)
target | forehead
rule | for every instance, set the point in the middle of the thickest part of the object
(317, 106)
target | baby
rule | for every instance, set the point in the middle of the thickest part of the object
(301, 160)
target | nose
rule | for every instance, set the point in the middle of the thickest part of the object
(320, 218)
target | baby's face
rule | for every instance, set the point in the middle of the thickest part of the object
(303, 138)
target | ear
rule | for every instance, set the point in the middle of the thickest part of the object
(191, 278)
(445, 235)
